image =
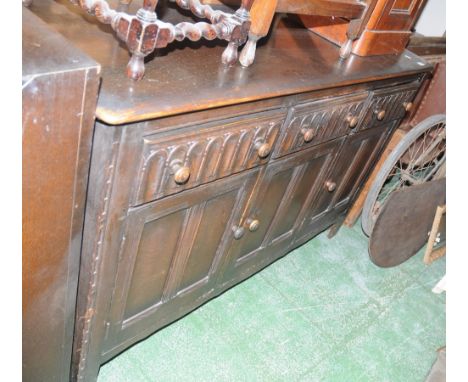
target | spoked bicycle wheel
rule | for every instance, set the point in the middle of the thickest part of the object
(418, 158)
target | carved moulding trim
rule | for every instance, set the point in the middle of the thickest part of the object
(144, 32)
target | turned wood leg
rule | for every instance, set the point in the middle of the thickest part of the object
(136, 67)
(345, 50)
(247, 55)
(143, 32)
(261, 16)
(239, 33)
(146, 16)
(229, 56)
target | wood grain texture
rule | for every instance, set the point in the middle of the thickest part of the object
(156, 283)
(209, 153)
(185, 79)
(374, 43)
(204, 235)
(154, 250)
(391, 103)
(279, 203)
(60, 86)
(397, 15)
(384, 28)
(143, 32)
(261, 16)
(338, 8)
(389, 27)
(326, 119)
(429, 99)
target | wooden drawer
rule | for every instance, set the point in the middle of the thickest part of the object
(320, 121)
(202, 154)
(389, 105)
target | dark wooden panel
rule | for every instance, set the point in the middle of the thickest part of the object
(215, 219)
(59, 97)
(182, 79)
(206, 152)
(157, 246)
(170, 257)
(282, 194)
(357, 156)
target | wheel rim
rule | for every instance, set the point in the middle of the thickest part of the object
(418, 158)
(418, 164)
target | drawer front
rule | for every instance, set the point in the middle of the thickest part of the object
(388, 105)
(173, 164)
(320, 121)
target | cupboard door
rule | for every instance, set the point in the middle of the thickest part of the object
(170, 256)
(356, 157)
(264, 232)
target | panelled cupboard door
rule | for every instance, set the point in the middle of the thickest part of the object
(170, 256)
(265, 230)
(356, 157)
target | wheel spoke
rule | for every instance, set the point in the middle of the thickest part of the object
(418, 158)
(431, 150)
(434, 170)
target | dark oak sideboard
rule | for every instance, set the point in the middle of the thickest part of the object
(202, 175)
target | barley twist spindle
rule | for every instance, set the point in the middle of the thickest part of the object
(144, 32)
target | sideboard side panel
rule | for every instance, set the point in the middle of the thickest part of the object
(59, 94)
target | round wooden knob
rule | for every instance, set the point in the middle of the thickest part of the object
(253, 224)
(308, 134)
(238, 232)
(263, 149)
(181, 173)
(408, 106)
(330, 186)
(380, 114)
(352, 121)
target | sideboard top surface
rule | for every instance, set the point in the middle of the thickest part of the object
(45, 51)
(186, 77)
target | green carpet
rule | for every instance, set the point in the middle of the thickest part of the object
(322, 313)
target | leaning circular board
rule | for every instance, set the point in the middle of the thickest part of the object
(402, 227)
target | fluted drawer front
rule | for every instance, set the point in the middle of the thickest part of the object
(389, 105)
(205, 153)
(320, 121)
